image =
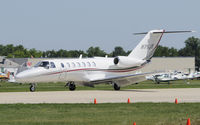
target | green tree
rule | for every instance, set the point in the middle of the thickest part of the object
(61, 53)
(161, 51)
(1, 50)
(74, 53)
(50, 53)
(95, 51)
(18, 54)
(8, 49)
(172, 52)
(118, 51)
(192, 48)
(35, 53)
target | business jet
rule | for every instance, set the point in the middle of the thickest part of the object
(119, 71)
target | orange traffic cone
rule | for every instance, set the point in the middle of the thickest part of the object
(95, 101)
(176, 101)
(134, 123)
(188, 121)
(128, 101)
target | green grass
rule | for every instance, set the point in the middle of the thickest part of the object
(100, 114)
(12, 87)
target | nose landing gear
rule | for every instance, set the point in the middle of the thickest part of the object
(32, 87)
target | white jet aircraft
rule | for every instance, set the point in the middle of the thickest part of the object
(120, 70)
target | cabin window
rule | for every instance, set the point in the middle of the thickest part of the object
(84, 65)
(78, 64)
(73, 64)
(93, 64)
(52, 65)
(88, 64)
(68, 65)
(62, 65)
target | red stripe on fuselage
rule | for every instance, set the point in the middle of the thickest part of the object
(95, 69)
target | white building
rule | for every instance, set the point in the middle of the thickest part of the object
(171, 64)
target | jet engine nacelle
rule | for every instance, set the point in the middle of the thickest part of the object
(124, 61)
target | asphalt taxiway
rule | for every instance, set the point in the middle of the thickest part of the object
(136, 95)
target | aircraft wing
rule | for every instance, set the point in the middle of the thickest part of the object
(124, 79)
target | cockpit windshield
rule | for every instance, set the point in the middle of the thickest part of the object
(42, 64)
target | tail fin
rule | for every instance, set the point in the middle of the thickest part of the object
(8, 75)
(146, 48)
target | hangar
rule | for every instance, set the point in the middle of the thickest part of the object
(7, 65)
(184, 64)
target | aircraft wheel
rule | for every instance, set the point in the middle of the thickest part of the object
(72, 86)
(116, 87)
(32, 87)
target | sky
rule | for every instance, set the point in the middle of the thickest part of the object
(80, 24)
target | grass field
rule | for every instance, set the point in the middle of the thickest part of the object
(12, 87)
(100, 114)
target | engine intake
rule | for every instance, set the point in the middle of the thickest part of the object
(116, 60)
(125, 61)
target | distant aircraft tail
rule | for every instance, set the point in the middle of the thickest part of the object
(146, 48)
(8, 75)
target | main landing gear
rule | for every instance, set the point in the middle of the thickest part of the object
(71, 85)
(32, 87)
(116, 87)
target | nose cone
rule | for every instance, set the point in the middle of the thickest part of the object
(20, 77)
(24, 76)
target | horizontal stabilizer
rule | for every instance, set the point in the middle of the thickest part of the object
(186, 31)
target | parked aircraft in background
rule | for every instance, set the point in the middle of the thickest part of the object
(172, 76)
(119, 71)
(194, 75)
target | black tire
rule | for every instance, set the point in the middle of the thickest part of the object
(72, 86)
(116, 87)
(32, 88)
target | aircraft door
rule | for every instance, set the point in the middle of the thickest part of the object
(53, 68)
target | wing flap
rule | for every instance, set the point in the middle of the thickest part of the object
(124, 79)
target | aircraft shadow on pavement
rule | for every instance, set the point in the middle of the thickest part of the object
(135, 90)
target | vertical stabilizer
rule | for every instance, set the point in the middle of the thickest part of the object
(146, 48)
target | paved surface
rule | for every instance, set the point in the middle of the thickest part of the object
(137, 95)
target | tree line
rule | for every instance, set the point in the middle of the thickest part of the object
(192, 48)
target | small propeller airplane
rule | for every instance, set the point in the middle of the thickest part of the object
(4, 76)
(119, 71)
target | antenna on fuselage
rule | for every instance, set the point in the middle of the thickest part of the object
(80, 57)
